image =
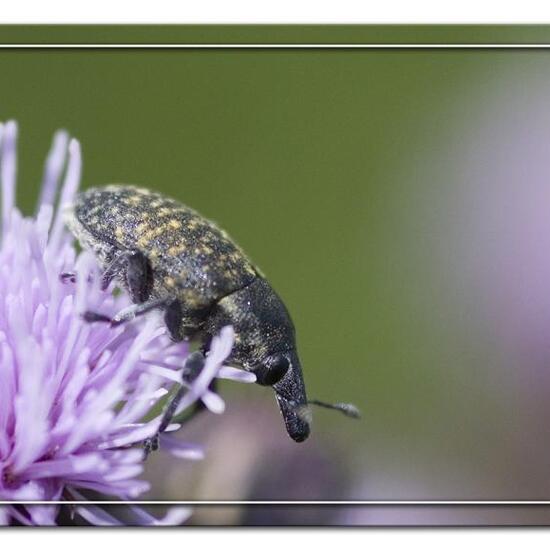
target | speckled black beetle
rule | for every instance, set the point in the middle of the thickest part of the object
(168, 256)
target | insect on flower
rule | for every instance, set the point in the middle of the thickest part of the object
(77, 401)
(169, 257)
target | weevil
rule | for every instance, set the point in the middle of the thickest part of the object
(169, 257)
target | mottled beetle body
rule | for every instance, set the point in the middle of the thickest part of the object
(168, 256)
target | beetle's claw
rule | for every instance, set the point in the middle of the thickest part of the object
(150, 444)
(95, 317)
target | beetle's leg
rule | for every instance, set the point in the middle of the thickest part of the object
(182, 323)
(173, 319)
(113, 269)
(127, 314)
(135, 310)
(198, 407)
(152, 443)
(139, 277)
(192, 368)
(136, 270)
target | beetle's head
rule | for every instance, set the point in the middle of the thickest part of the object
(265, 345)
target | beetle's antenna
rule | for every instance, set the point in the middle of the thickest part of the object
(349, 409)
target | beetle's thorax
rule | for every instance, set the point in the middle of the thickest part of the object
(260, 320)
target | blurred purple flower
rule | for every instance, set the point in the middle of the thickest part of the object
(76, 399)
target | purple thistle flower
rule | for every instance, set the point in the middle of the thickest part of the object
(76, 399)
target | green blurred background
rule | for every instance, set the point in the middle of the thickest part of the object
(339, 172)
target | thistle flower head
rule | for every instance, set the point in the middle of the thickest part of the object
(77, 399)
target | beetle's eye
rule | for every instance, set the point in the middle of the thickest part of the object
(269, 375)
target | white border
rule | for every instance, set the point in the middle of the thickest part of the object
(271, 12)
(281, 502)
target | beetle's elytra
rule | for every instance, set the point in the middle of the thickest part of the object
(168, 256)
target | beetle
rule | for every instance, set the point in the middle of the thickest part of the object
(169, 257)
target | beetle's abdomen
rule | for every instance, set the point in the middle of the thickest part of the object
(189, 255)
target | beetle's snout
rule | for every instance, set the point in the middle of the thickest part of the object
(291, 397)
(296, 424)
